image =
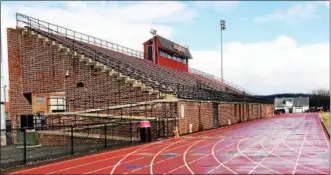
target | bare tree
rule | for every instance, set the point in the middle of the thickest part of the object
(320, 91)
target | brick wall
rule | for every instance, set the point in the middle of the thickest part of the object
(38, 68)
(203, 115)
(18, 103)
(226, 112)
(58, 140)
(192, 115)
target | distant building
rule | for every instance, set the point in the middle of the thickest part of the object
(292, 105)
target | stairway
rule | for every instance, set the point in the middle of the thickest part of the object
(78, 52)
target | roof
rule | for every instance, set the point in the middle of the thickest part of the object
(174, 47)
(296, 101)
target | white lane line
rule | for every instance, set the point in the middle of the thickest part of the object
(207, 133)
(289, 161)
(241, 129)
(292, 161)
(219, 162)
(189, 151)
(324, 150)
(303, 142)
(210, 171)
(159, 152)
(243, 150)
(184, 156)
(132, 160)
(269, 152)
(316, 158)
(73, 160)
(84, 164)
(127, 155)
(166, 159)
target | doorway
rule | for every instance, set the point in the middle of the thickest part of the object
(26, 121)
(215, 114)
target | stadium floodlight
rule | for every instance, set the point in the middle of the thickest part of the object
(153, 32)
(223, 27)
(223, 24)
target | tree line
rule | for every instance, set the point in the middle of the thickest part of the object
(317, 98)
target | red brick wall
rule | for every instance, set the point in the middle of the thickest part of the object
(38, 68)
(191, 116)
(236, 113)
(226, 112)
(207, 116)
(18, 103)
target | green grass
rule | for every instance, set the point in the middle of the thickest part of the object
(325, 116)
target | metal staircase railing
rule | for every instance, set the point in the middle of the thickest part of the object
(20, 18)
(204, 74)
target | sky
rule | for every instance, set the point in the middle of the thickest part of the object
(268, 47)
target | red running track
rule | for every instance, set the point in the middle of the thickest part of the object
(287, 144)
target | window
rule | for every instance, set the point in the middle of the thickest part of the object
(80, 84)
(185, 61)
(163, 54)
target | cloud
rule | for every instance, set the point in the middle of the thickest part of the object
(298, 11)
(126, 23)
(277, 66)
(327, 4)
(281, 65)
(221, 6)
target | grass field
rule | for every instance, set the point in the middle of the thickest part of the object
(326, 119)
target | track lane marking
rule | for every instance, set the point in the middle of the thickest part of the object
(184, 156)
(292, 161)
(241, 129)
(269, 152)
(300, 150)
(243, 150)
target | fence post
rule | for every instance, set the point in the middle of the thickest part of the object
(131, 134)
(24, 146)
(72, 139)
(131, 131)
(105, 132)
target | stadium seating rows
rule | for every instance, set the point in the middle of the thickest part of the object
(156, 76)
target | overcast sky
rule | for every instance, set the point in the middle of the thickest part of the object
(269, 47)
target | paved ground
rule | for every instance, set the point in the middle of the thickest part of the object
(288, 144)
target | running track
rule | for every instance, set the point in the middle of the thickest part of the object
(287, 144)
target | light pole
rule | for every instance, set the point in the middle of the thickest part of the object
(223, 27)
(153, 32)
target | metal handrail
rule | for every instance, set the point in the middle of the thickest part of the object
(80, 36)
(225, 82)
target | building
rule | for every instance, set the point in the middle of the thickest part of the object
(167, 53)
(62, 74)
(292, 105)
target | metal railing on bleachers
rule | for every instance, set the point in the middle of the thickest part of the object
(77, 35)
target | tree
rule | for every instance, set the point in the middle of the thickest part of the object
(321, 91)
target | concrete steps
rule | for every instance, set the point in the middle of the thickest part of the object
(88, 61)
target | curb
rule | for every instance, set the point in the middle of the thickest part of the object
(325, 130)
